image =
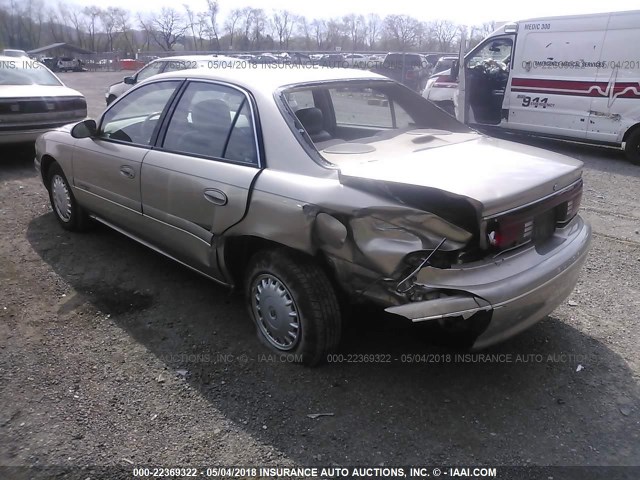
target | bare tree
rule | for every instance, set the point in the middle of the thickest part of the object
(260, 24)
(373, 29)
(304, 29)
(213, 9)
(92, 14)
(355, 26)
(232, 23)
(479, 32)
(167, 28)
(283, 27)
(78, 21)
(443, 32)
(247, 22)
(146, 27)
(190, 23)
(31, 18)
(123, 27)
(319, 29)
(109, 19)
(403, 30)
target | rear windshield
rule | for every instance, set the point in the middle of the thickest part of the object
(20, 72)
(363, 111)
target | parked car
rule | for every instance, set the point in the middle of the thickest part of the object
(12, 52)
(362, 190)
(167, 64)
(332, 60)
(410, 69)
(266, 59)
(298, 58)
(355, 60)
(441, 85)
(33, 100)
(68, 64)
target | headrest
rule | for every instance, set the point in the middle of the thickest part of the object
(211, 113)
(311, 119)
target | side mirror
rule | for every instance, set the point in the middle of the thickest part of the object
(455, 66)
(84, 129)
(130, 80)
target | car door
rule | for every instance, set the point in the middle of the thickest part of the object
(196, 183)
(106, 167)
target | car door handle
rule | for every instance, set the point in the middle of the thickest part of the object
(215, 196)
(127, 171)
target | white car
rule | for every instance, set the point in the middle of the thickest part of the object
(33, 101)
(169, 64)
(356, 60)
(441, 85)
(12, 52)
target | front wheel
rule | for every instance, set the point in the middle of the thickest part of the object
(632, 147)
(293, 305)
(67, 211)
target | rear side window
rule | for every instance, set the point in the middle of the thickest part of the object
(213, 121)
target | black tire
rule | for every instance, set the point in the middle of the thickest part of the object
(314, 302)
(73, 218)
(632, 147)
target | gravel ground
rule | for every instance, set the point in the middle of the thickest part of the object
(112, 355)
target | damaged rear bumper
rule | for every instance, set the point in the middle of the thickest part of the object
(519, 288)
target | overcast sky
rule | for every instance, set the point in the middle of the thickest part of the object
(468, 12)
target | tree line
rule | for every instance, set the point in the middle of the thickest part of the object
(29, 24)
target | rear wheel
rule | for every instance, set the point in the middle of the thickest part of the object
(632, 147)
(67, 211)
(293, 305)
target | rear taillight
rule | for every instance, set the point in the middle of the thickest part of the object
(535, 223)
(567, 210)
(445, 81)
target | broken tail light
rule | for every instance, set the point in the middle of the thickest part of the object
(536, 222)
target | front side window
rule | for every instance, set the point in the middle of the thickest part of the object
(135, 117)
(150, 70)
(495, 53)
(213, 121)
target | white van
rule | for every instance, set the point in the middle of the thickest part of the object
(574, 77)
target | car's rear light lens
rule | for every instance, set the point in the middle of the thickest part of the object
(444, 81)
(535, 223)
(567, 210)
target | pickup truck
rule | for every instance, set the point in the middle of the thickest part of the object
(410, 69)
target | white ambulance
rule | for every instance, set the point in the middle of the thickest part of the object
(574, 77)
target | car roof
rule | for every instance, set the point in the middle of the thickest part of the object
(268, 78)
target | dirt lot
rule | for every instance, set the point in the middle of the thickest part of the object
(112, 355)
